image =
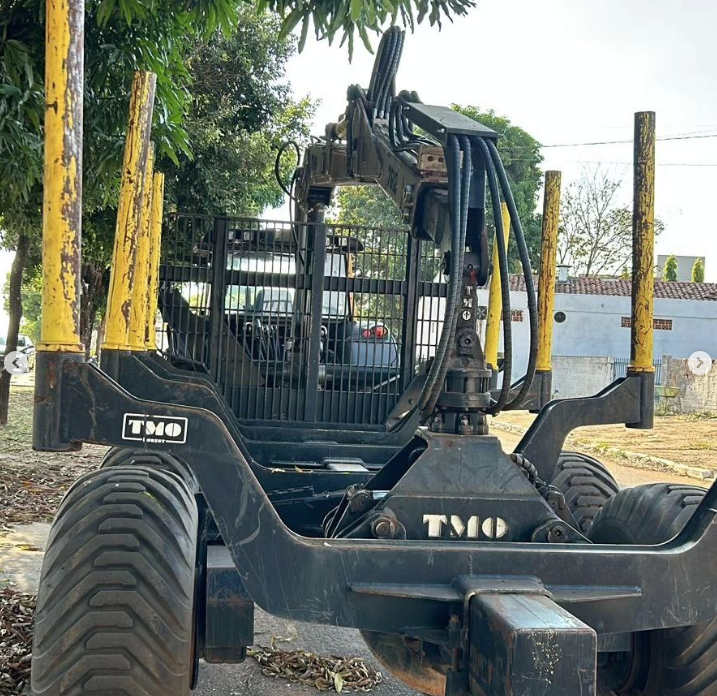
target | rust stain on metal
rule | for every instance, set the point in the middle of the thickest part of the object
(546, 283)
(62, 203)
(643, 241)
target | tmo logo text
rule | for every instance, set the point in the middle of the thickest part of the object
(455, 527)
(162, 429)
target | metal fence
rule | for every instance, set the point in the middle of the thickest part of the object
(620, 365)
(304, 322)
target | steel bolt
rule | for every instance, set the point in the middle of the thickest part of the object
(382, 528)
(557, 534)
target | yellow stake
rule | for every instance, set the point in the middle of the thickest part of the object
(62, 200)
(155, 252)
(139, 307)
(643, 244)
(129, 213)
(546, 281)
(495, 301)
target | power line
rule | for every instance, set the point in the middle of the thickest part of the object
(629, 164)
(623, 142)
(684, 136)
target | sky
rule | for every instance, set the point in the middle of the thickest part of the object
(570, 71)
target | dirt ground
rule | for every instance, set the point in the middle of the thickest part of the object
(33, 483)
(687, 440)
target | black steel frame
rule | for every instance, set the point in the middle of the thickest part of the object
(401, 586)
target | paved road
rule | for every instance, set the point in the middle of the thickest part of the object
(247, 680)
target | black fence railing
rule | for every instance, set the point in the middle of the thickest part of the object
(304, 322)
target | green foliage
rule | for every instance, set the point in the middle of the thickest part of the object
(625, 273)
(350, 17)
(241, 112)
(121, 36)
(670, 271)
(698, 271)
(365, 205)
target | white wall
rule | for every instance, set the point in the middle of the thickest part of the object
(593, 327)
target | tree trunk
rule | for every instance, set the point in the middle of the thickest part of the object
(14, 301)
(101, 336)
(92, 288)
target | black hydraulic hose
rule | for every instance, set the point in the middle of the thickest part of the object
(393, 69)
(383, 68)
(376, 67)
(459, 253)
(385, 80)
(502, 400)
(454, 198)
(393, 131)
(528, 275)
(277, 165)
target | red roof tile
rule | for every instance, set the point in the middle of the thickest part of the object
(622, 288)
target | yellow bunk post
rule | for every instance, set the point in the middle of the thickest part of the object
(129, 213)
(62, 200)
(643, 244)
(643, 267)
(546, 280)
(139, 305)
(495, 302)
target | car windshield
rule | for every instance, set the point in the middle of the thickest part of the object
(280, 300)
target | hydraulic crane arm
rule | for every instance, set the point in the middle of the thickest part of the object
(436, 165)
(361, 149)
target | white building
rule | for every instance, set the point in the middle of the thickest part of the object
(592, 319)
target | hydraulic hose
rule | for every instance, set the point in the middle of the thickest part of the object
(458, 199)
(454, 197)
(383, 67)
(528, 275)
(504, 280)
(277, 166)
(459, 253)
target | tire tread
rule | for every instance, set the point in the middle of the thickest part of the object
(114, 609)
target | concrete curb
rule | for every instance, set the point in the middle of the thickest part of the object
(637, 460)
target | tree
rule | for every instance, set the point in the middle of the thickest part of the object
(698, 271)
(596, 231)
(670, 271)
(241, 112)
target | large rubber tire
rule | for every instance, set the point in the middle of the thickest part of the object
(586, 484)
(150, 459)
(115, 606)
(673, 662)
